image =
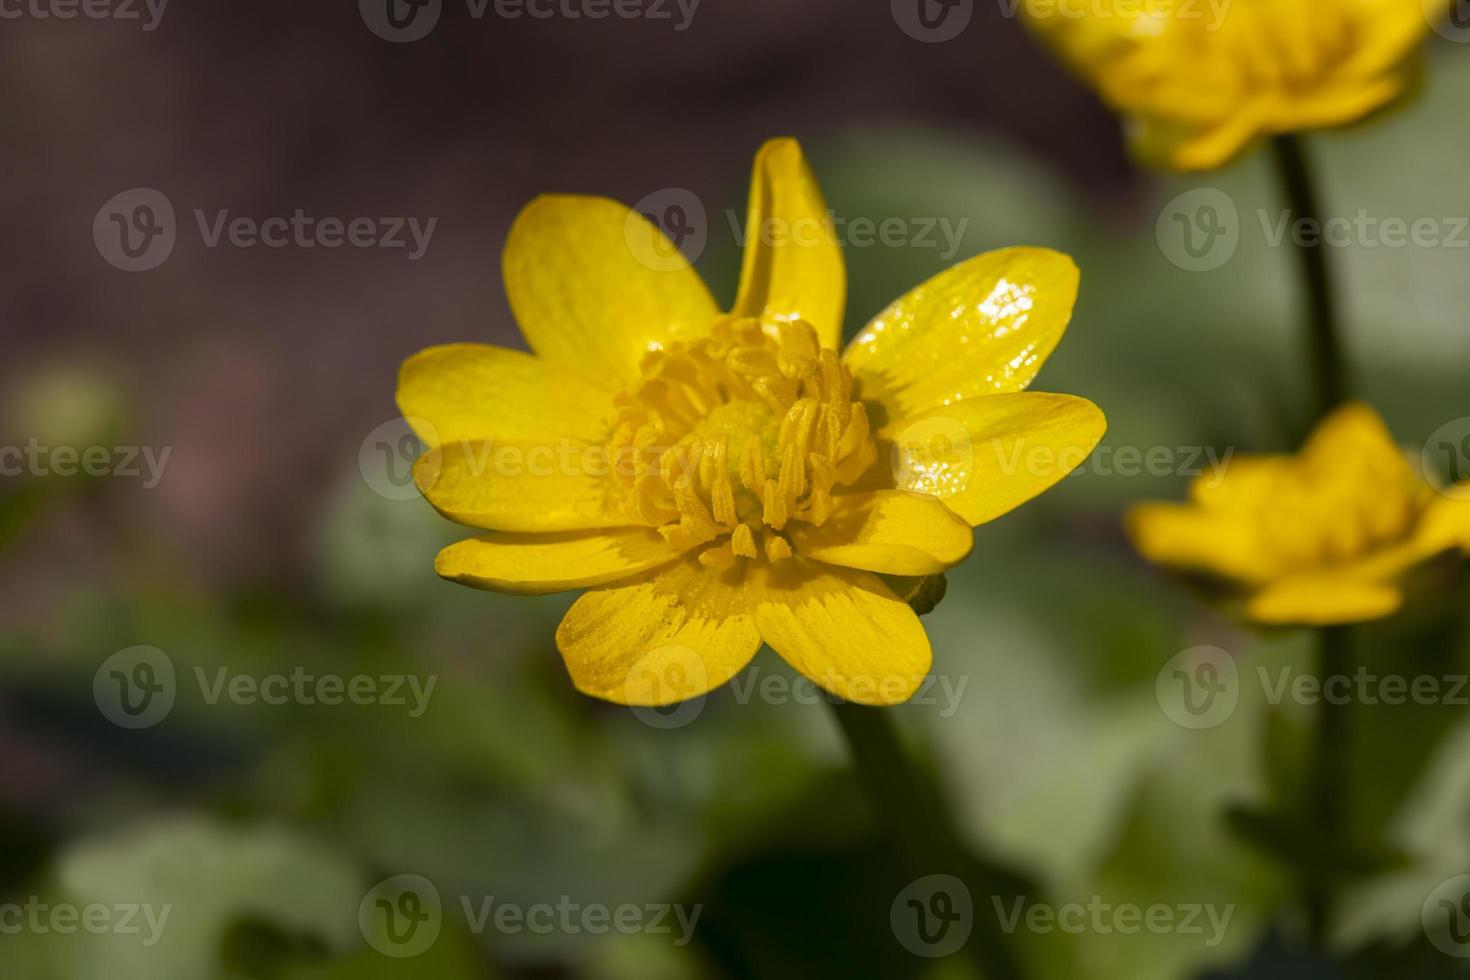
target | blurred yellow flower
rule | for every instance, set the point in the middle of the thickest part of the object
(1199, 80)
(722, 479)
(1320, 538)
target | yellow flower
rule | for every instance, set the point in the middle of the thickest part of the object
(1320, 538)
(1199, 80)
(722, 479)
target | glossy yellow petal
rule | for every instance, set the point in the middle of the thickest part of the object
(988, 455)
(509, 485)
(841, 628)
(475, 391)
(981, 327)
(793, 266)
(591, 294)
(669, 636)
(891, 531)
(1323, 600)
(538, 564)
(1194, 539)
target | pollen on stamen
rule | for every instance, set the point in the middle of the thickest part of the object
(728, 439)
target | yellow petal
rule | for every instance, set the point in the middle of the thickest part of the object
(509, 485)
(1324, 599)
(1245, 484)
(672, 635)
(590, 294)
(985, 456)
(793, 265)
(1355, 432)
(1192, 538)
(475, 391)
(891, 531)
(980, 327)
(843, 629)
(538, 564)
(1445, 524)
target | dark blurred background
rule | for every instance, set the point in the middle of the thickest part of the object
(271, 540)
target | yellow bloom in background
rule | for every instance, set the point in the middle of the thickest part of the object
(1199, 80)
(722, 479)
(1320, 538)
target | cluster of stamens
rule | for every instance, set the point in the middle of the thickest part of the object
(728, 439)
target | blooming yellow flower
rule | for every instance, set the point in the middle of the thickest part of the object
(722, 479)
(1320, 538)
(1199, 80)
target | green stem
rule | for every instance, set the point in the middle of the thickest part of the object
(914, 815)
(1329, 787)
(1329, 365)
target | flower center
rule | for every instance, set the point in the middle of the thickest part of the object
(727, 439)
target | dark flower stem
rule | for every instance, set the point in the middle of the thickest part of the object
(913, 813)
(1329, 367)
(1329, 785)
(1330, 763)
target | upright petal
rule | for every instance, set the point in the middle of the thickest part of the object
(793, 265)
(892, 531)
(671, 635)
(520, 485)
(475, 391)
(595, 286)
(539, 564)
(843, 629)
(981, 327)
(986, 456)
